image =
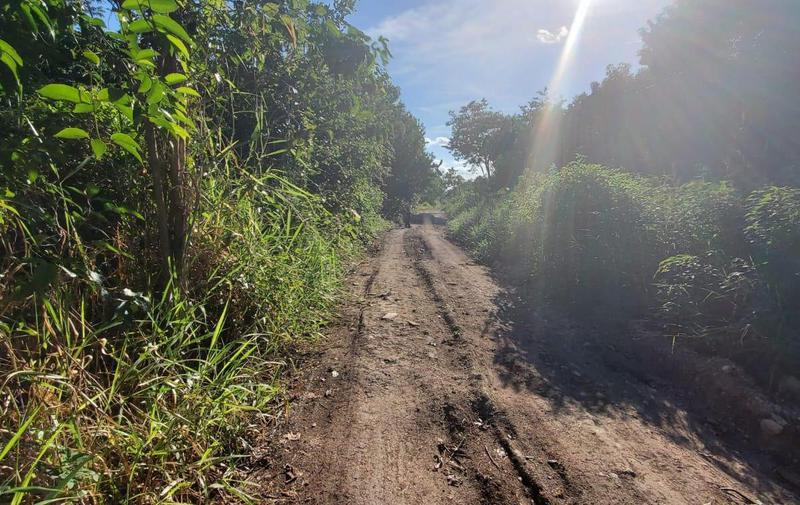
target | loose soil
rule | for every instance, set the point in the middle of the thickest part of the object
(437, 386)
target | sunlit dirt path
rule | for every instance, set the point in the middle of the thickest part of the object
(431, 390)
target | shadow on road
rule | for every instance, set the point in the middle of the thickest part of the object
(578, 367)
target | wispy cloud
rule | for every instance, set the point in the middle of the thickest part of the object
(547, 37)
(460, 167)
(456, 28)
(467, 49)
(438, 141)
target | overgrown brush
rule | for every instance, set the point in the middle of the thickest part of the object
(157, 400)
(700, 258)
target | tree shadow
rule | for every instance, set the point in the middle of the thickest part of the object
(580, 366)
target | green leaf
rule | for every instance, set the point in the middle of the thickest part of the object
(184, 90)
(61, 92)
(92, 57)
(124, 110)
(161, 6)
(140, 26)
(44, 18)
(174, 78)
(11, 64)
(6, 48)
(146, 63)
(99, 148)
(144, 54)
(83, 108)
(109, 95)
(126, 142)
(94, 21)
(179, 45)
(145, 84)
(156, 94)
(72, 133)
(172, 26)
(179, 131)
(26, 11)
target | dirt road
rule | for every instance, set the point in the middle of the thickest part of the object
(434, 390)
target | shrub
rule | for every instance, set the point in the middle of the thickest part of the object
(707, 295)
(591, 239)
(773, 233)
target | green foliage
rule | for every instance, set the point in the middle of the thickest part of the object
(589, 240)
(177, 200)
(773, 232)
(701, 296)
(698, 257)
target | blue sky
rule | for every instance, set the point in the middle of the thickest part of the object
(448, 52)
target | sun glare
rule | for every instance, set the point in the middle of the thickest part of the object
(546, 135)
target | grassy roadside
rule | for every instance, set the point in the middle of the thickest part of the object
(113, 395)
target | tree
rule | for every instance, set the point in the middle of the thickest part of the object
(478, 135)
(412, 169)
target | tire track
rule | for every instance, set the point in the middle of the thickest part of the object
(480, 404)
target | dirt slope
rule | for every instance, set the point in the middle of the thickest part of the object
(432, 390)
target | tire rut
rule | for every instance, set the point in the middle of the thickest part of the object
(480, 404)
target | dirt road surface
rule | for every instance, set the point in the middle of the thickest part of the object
(433, 390)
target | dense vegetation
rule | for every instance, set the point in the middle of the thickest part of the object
(181, 185)
(700, 228)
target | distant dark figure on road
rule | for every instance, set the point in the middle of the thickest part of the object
(407, 217)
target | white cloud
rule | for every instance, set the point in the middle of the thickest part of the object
(547, 37)
(461, 168)
(454, 33)
(438, 141)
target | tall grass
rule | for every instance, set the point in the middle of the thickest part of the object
(109, 395)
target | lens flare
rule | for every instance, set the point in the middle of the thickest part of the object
(546, 141)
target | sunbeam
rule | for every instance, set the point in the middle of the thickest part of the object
(546, 141)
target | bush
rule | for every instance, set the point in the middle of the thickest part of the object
(698, 256)
(705, 295)
(590, 238)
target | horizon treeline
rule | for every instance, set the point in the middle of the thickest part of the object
(716, 96)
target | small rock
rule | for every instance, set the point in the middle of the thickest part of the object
(389, 316)
(413, 324)
(453, 480)
(334, 374)
(771, 427)
(328, 393)
(289, 474)
(778, 419)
